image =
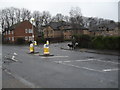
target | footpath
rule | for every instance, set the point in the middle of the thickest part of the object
(107, 52)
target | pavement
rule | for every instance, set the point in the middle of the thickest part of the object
(109, 52)
(66, 69)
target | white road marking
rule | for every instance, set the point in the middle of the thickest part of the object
(24, 81)
(82, 67)
(104, 70)
(107, 61)
(76, 60)
(108, 70)
(54, 56)
(85, 60)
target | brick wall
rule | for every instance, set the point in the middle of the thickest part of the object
(20, 32)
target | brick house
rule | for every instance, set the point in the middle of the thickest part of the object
(105, 30)
(62, 30)
(53, 31)
(20, 30)
(68, 32)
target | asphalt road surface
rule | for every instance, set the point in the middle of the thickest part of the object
(66, 69)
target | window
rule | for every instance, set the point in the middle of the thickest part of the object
(9, 38)
(30, 38)
(9, 32)
(26, 31)
(30, 31)
(12, 32)
(12, 38)
(26, 38)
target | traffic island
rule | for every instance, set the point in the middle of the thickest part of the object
(46, 55)
(33, 52)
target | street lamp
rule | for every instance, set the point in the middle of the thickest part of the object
(32, 19)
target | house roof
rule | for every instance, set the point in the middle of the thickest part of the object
(67, 26)
(56, 25)
(14, 26)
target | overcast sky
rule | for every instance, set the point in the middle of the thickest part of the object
(107, 9)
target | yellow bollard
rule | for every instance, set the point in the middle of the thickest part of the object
(31, 48)
(35, 43)
(47, 42)
(46, 49)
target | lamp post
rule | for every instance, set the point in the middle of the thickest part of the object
(32, 19)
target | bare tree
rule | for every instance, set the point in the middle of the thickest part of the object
(17, 14)
(59, 17)
(38, 20)
(46, 17)
(5, 18)
(9, 16)
(67, 19)
(25, 14)
(76, 18)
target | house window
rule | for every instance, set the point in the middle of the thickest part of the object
(30, 31)
(26, 30)
(30, 38)
(26, 38)
(12, 38)
(12, 32)
(9, 32)
(9, 38)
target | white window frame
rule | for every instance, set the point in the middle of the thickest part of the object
(26, 30)
(9, 38)
(12, 38)
(8, 32)
(26, 38)
(30, 38)
(30, 31)
(12, 32)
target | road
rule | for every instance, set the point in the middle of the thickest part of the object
(66, 69)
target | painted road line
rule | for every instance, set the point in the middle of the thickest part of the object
(107, 61)
(24, 81)
(55, 57)
(85, 60)
(108, 70)
(82, 67)
(75, 60)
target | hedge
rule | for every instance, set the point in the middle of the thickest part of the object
(98, 42)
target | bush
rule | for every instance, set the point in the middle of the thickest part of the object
(98, 42)
(84, 41)
(20, 41)
(40, 40)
